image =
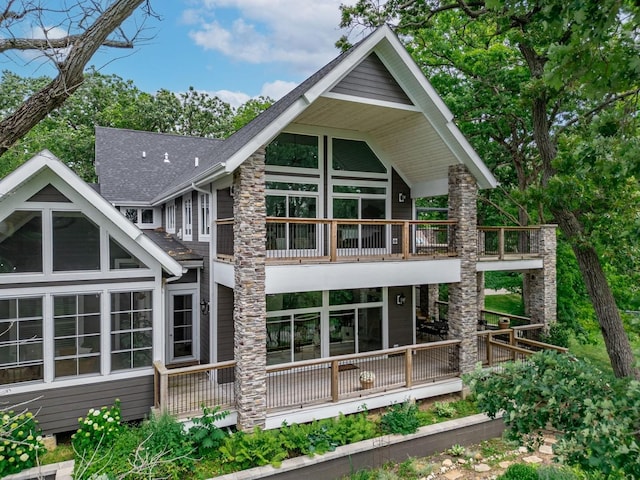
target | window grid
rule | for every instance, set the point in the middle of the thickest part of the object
(188, 219)
(171, 217)
(76, 334)
(21, 340)
(131, 330)
(205, 224)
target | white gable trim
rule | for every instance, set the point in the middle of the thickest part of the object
(45, 160)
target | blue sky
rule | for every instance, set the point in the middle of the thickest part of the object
(236, 49)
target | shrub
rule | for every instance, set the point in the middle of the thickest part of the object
(113, 459)
(401, 418)
(204, 435)
(519, 471)
(165, 441)
(262, 447)
(444, 409)
(348, 429)
(20, 442)
(98, 428)
(307, 438)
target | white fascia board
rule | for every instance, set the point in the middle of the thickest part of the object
(223, 273)
(508, 265)
(215, 172)
(370, 101)
(337, 276)
(431, 188)
(266, 135)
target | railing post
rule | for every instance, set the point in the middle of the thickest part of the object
(405, 240)
(161, 386)
(333, 241)
(408, 367)
(501, 243)
(334, 381)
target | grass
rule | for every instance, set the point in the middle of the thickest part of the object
(510, 303)
(61, 453)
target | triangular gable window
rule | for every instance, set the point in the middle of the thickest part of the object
(121, 259)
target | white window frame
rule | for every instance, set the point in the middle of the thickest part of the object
(187, 217)
(170, 216)
(155, 223)
(204, 207)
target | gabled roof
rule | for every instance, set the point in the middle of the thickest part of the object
(45, 160)
(414, 131)
(141, 165)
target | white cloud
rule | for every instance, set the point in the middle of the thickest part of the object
(300, 34)
(235, 99)
(40, 33)
(278, 89)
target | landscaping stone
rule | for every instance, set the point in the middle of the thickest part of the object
(504, 465)
(453, 475)
(447, 463)
(482, 467)
(546, 449)
(532, 459)
(523, 450)
(462, 461)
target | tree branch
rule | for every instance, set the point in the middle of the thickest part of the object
(49, 43)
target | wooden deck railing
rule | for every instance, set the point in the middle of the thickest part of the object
(499, 346)
(182, 391)
(508, 242)
(310, 239)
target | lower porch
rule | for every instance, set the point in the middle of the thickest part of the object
(418, 371)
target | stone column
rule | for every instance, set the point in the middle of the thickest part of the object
(249, 311)
(542, 283)
(463, 296)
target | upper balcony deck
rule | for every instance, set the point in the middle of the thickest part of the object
(298, 241)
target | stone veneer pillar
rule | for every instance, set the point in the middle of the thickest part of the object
(463, 296)
(542, 282)
(249, 311)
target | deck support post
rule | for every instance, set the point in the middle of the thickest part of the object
(463, 296)
(542, 282)
(249, 311)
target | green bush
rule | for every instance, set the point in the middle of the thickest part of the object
(165, 439)
(401, 418)
(444, 409)
(20, 442)
(98, 428)
(112, 460)
(204, 435)
(599, 415)
(307, 438)
(262, 447)
(519, 471)
(353, 428)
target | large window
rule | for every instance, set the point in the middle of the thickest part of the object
(21, 242)
(171, 217)
(293, 150)
(355, 156)
(357, 328)
(76, 323)
(143, 217)
(21, 340)
(131, 330)
(76, 242)
(121, 259)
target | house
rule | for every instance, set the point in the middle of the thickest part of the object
(262, 272)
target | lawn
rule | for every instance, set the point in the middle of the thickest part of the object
(510, 303)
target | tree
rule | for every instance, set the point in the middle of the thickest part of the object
(551, 75)
(87, 27)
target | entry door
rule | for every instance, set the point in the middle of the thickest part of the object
(182, 327)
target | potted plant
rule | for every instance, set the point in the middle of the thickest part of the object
(366, 379)
(503, 323)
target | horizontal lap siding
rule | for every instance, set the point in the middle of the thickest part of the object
(371, 79)
(58, 409)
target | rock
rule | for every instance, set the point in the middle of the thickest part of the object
(546, 449)
(447, 463)
(532, 459)
(523, 449)
(504, 465)
(482, 467)
(550, 440)
(478, 456)
(453, 475)
(462, 461)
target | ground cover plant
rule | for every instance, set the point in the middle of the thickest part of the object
(20, 441)
(160, 447)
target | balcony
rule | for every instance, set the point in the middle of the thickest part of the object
(306, 240)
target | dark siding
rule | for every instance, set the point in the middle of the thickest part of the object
(59, 408)
(371, 79)
(400, 318)
(190, 277)
(49, 194)
(224, 207)
(399, 211)
(225, 323)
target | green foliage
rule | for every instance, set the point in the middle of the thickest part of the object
(99, 428)
(112, 460)
(307, 438)
(20, 442)
(519, 471)
(401, 418)
(553, 472)
(598, 414)
(558, 335)
(262, 447)
(353, 428)
(456, 450)
(163, 437)
(204, 435)
(444, 409)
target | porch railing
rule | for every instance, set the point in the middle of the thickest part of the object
(499, 346)
(336, 378)
(508, 242)
(310, 239)
(184, 390)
